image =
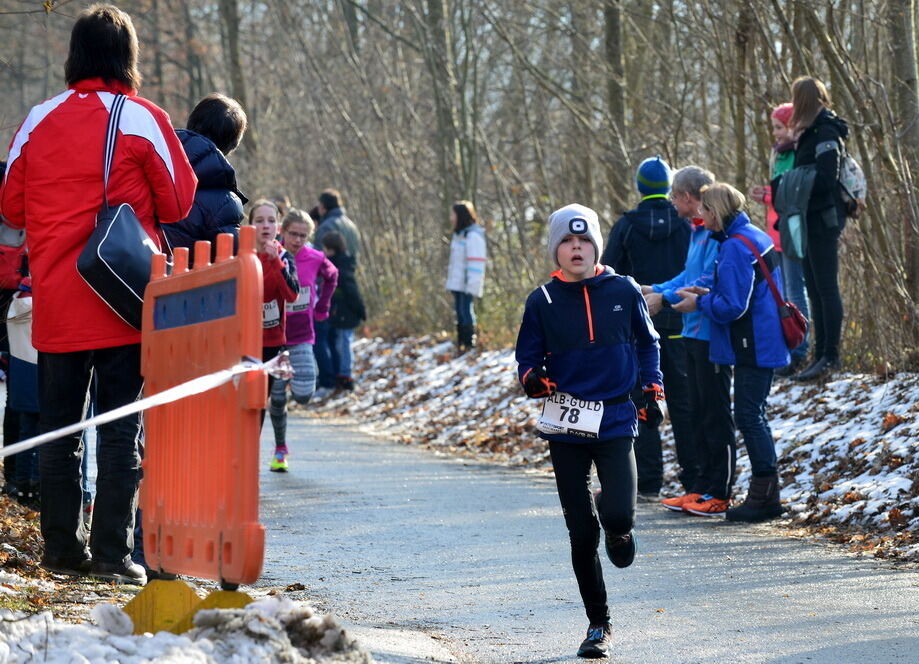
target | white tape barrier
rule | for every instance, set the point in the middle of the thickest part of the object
(278, 366)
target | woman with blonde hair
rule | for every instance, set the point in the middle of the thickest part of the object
(821, 135)
(746, 333)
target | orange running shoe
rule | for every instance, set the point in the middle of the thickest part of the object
(707, 506)
(676, 504)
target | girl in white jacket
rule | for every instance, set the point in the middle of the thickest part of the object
(466, 271)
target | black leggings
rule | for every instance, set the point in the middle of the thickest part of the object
(710, 401)
(615, 463)
(821, 275)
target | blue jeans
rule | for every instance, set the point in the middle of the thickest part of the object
(26, 471)
(751, 388)
(795, 292)
(340, 344)
(322, 351)
(465, 313)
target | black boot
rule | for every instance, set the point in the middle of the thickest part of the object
(461, 346)
(822, 368)
(763, 501)
(466, 335)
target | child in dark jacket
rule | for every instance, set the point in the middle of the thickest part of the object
(347, 310)
(585, 340)
(215, 128)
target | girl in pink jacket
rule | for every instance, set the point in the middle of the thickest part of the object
(318, 278)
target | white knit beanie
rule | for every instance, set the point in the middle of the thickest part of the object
(574, 219)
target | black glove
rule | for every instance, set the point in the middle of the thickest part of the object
(651, 413)
(537, 384)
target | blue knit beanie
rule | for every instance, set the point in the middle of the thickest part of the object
(653, 177)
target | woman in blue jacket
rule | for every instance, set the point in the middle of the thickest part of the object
(746, 333)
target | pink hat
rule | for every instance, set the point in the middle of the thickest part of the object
(783, 113)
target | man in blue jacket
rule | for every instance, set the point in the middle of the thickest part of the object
(650, 244)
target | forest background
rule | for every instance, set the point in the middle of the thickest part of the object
(522, 106)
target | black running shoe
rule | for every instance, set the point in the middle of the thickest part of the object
(77, 566)
(597, 643)
(621, 549)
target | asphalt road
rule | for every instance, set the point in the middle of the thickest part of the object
(438, 559)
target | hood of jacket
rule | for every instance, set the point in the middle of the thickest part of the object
(826, 116)
(211, 167)
(656, 219)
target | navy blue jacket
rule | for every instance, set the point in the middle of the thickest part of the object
(650, 244)
(347, 310)
(745, 317)
(595, 339)
(218, 206)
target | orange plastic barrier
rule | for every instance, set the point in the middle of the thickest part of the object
(199, 494)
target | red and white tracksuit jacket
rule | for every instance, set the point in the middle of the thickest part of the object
(53, 187)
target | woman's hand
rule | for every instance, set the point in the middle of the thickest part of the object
(698, 290)
(688, 303)
(758, 193)
(646, 290)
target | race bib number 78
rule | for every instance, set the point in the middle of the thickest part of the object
(565, 414)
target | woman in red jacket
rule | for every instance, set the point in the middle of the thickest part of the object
(279, 271)
(53, 187)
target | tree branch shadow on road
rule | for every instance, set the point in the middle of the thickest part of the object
(878, 650)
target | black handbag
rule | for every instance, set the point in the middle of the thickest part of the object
(116, 260)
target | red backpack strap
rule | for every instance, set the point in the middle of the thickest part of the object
(767, 274)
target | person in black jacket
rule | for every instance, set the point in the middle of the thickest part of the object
(821, 136)
(215, 128)
(650, 244)
(347, 311)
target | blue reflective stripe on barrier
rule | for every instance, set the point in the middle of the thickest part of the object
(197, 305)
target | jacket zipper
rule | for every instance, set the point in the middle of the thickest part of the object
(590, 318)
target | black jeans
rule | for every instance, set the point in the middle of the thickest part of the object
(710, 396)
(648, 454)
(64, 381)
(821, 275)
(615, 463)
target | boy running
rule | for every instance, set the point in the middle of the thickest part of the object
(585, 339)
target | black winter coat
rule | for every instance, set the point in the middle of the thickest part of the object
(218, 206)
(650, 244)
(347, 311)
(821, 144)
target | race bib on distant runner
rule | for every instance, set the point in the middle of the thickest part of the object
(271, 314)
(302, 303)
(565, 414)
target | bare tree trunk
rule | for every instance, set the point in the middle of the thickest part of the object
(229, 14)
(615, 102)
(901, 17)
(439, 52)
(742, 42)
(350, 14)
